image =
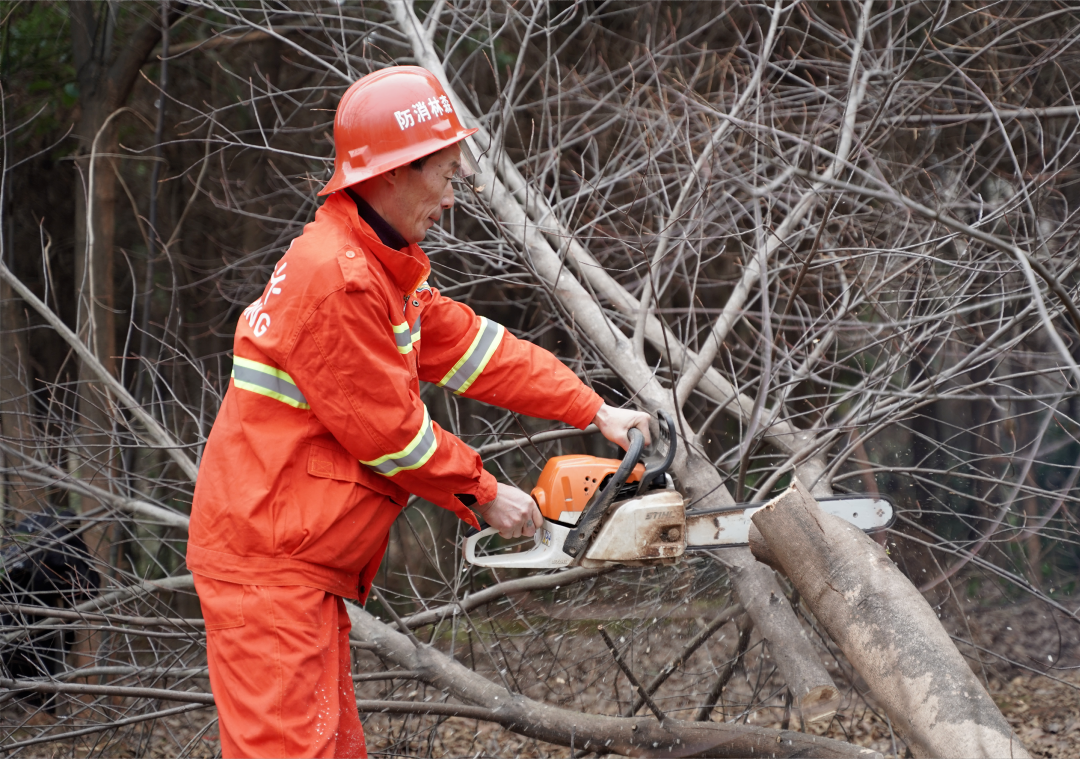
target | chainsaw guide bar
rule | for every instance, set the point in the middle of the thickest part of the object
(730, 525)
(603, 512)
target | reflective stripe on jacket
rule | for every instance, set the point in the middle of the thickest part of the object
(322, 434)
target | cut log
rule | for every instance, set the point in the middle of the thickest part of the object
(759, 547)
(812, 689)
(887, 631)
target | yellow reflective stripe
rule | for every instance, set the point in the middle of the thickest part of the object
(463, 373)
(268, 381)
(407, 449)
(269, 394)
(413, 456)
(415, 464)
(484, 360)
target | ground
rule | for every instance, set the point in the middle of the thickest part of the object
(1033, 678)
(1044, 713)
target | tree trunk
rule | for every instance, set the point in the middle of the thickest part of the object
(14, 400)
(700, 481)
(815, 696)
(106, 78)
(95, 225)
(887, 630)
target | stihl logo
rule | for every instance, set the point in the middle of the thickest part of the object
(657, 515)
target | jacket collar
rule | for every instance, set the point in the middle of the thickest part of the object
(389, 236)
(408, 267)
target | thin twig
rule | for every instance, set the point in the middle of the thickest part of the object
(630, 675)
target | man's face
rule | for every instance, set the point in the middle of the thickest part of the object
(418, 198)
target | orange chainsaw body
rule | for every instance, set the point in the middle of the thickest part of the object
(568, 482)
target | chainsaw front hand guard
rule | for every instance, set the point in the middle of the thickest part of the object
(578, 538)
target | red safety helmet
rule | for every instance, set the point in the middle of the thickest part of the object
(389, 119)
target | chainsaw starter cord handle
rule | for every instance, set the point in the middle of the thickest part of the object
(579, 537)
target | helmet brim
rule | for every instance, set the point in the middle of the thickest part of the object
(347, 176)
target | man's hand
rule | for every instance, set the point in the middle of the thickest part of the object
(616, 423)
(513, 513)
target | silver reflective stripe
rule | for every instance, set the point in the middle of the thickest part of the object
(415, 336)
(413, 456)
(473, 361)
(267, 380)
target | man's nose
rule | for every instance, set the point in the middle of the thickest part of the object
(448, 197)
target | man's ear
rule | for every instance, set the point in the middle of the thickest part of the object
(390, 177)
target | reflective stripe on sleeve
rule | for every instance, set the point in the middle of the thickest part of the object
(402, 337)
(473, 361)
(406, 338)
(266, 380)
(412, 456)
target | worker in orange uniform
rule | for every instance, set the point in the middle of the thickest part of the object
(322, 434)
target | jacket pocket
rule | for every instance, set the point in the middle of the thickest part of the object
(332, 464)
(222, 603)
(336, 464)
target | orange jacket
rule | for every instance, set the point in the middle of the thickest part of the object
(322, 433)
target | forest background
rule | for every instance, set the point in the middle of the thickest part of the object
(838, 239)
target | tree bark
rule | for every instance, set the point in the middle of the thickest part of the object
(887, 630)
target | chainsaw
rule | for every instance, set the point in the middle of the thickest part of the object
(599, 512)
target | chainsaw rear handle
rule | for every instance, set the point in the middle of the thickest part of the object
(473, 537)
(579, 537)
(545, 553)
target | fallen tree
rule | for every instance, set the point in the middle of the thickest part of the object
(815, 695)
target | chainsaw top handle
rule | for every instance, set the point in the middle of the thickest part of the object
(657, 467)
(579, 537)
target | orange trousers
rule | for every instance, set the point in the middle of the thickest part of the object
(280, 670)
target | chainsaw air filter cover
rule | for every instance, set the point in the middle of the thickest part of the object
(568, 483)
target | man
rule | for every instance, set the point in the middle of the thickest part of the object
(322, 434)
